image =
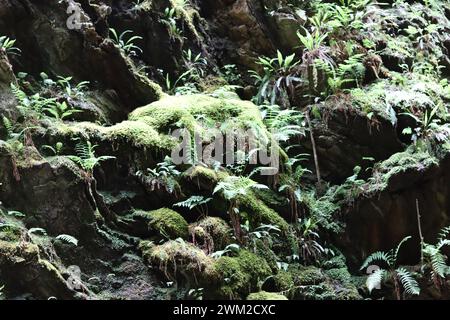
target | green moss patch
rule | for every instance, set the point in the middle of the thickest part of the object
(166, 222)
(179, 260)
(263, 295)
(241, 274)
(213, 232)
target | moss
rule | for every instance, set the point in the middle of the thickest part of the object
(271, 198)
(212, 229)
(123, 138)
(184, 110)
(217, 87)
(371, 100)
(339, 274)
(15, 252)
(322, 291)
(202, 174)
(306, 275)
(241, 274)
(411, 159)
(260, 213)
(166, 222)
(235, 281)
(263, 295)
(11, 229)
(181, 260)
(139, 134)
(283, 281)
(60, 161)
(338, 261)
(188, 14)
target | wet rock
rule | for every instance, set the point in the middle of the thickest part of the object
(380, 219)
(51, 193)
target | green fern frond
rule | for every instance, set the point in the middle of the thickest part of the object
(40, 231)
(8, 127)
(18, 94)
(395, 255)
(378, 256)
(443, 242)
(444, 233)
(68, 239)
(438, 265)
(193, 202)
(408, 282)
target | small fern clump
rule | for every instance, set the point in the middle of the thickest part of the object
(435, 259)
(8, 45)
(197, 202)
(34, 105)
(127, 46)
(86, 157)
(399, 275)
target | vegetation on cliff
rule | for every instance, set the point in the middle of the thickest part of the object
(350, 97)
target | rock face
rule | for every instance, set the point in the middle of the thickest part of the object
(379, 221)
(344, 138)
(94, 190)
(47, 44)
(7, 100)
(242, 30)
(53, 193)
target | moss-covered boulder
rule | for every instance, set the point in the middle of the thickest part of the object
(212, 233)
(263, 295)
(187, 111)
(241, 274)
(251, 206)
(282, 281)
(182, 261)
(312, 283)
(23, 270)
(163, 222)
(52, 192)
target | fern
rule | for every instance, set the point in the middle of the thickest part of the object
(86, 157)
(395, 253)
(193, 202)
(400, 274)
(20, 95)
(40, 231)
(8, 127)
(378, 256)
(439, 268)
(444, 233)
(16, 214)
(8, 45)
(68, 239)
(408, 282)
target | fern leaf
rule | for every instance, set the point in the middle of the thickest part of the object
(408, 282)
(378, 256)
(68, 239)
(19, 94)
(37, 231)
(444, 233)
(399, 246)
(8, 126)
(438, 264)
